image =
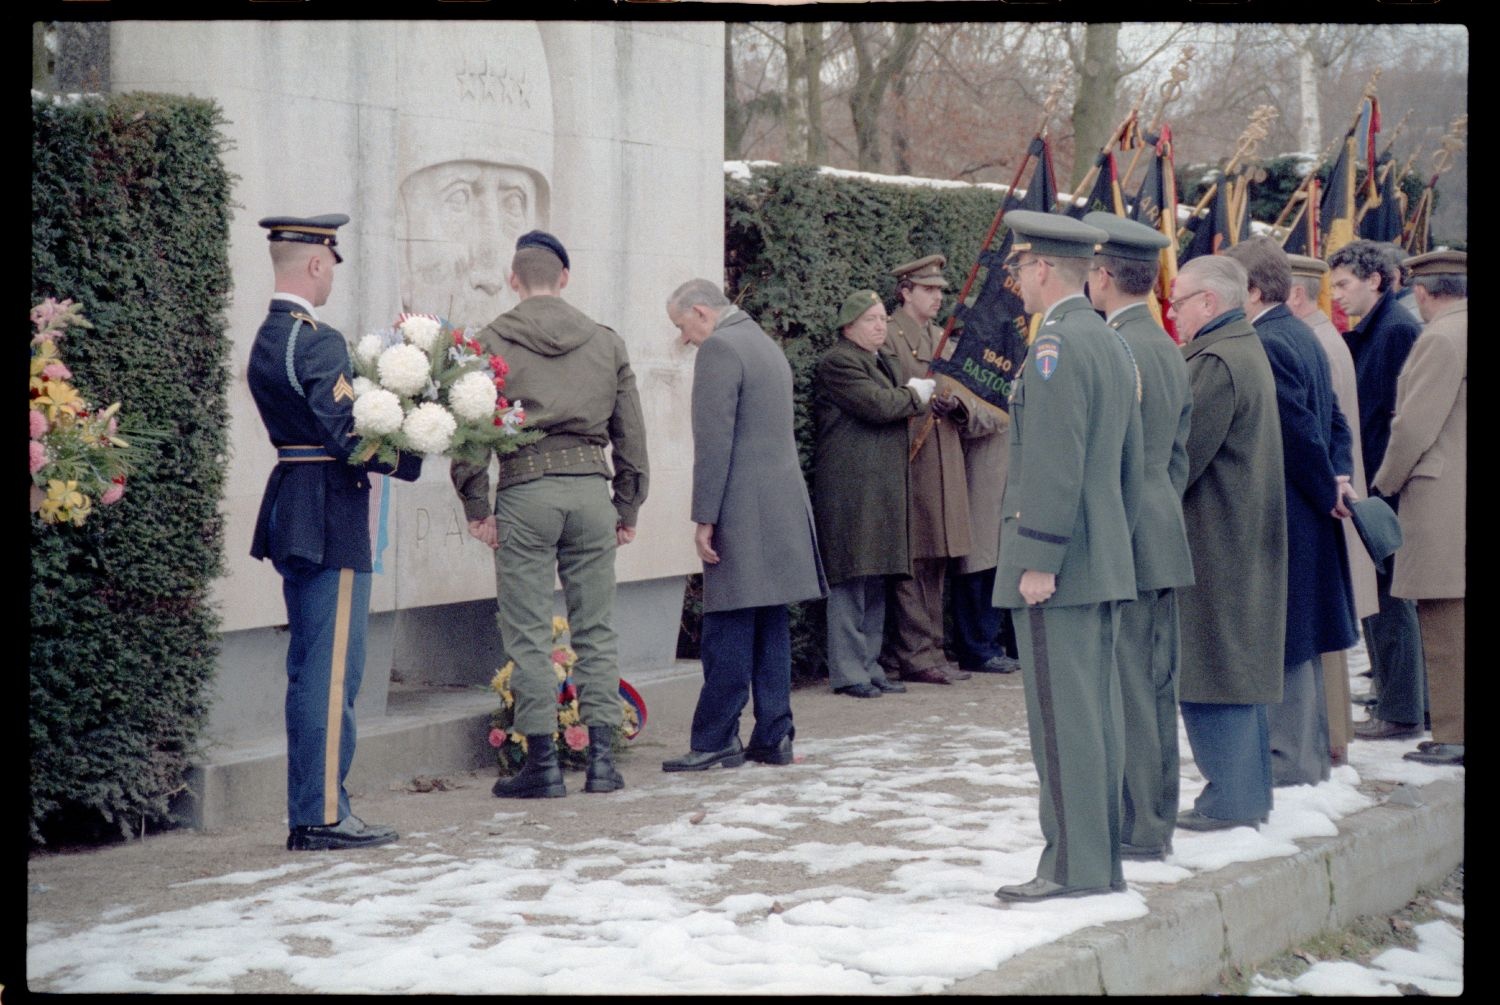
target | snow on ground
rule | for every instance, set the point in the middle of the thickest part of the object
(1435, 967)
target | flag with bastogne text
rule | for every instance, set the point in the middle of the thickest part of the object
(988, 342)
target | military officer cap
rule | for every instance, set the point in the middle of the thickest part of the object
(924, 271)
(1439, 263)
(545, 241)
(856, 304)
(1127, 238)
(307, 230)
(1052, 234)
(1303, 265)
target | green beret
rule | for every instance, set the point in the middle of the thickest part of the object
(856, 304)
(1053, 234)
(924, 271)
(1127, 238)
(1439, 263)
(1303, 265)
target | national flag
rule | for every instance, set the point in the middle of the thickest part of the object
(1209, 234)
(1302, 239)
(1105, 196)
(1383, 218)
(1156, 206)
(990, 336)
(1416, 238)
(1337, 211)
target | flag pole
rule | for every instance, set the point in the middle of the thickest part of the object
(1250, 140)
(1442, 163)
(1170, 90)
(1049, 108)
(1367, 93)
(1114, 137)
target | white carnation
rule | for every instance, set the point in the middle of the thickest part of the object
(429, 428)
(363, 386)
(367, 351)
(404, 369)
(421, 331)
(377, 413)
(473, 397)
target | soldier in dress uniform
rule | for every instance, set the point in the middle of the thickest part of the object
(314, 527)
(1071, 498)
(1122, 276)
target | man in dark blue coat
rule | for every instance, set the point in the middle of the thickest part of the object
(314, 527)
(1318, 464)
(1360, 276)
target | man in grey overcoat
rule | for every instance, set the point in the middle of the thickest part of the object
(754, 530)
(1234, 616)
(1123, 275)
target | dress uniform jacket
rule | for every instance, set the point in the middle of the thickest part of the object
(1068, 510)
(1426, 460)
(746, 478)
(301, 380)
(1379, 344)
(1162, 559)
(1234, 616)
(939, 513)
(859, 467)
(1316, 447)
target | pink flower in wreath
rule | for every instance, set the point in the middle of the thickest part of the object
(576, 737)
(559, 656)
(497, 738)
(38, 424)
(38, 456)
(57, 371)
(115, 491)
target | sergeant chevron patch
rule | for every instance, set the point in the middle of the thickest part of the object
(342, 389)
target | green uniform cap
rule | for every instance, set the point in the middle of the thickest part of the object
(924, 271)
(1439, 263)
(856, 304)
(1053, 234)
(1127, 238)
(1303, 265)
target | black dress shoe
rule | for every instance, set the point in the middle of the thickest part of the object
(859, 690)
(731, 756)
(889, 686)
(1431, 752)
(1144, 853)
(350, 832)
(1382, 729)
(996, 664)
(1192, 820)
(779, 754)
(1045, 889)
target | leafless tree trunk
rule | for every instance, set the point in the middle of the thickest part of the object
(804, 99)
(1094, 106)
(872, 77)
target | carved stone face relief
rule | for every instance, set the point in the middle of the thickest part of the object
(458, 222)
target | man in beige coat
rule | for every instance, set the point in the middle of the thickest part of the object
(938, 517)
(1302, 300)
(1426, 463)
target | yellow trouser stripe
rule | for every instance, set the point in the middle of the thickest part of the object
(342, 615)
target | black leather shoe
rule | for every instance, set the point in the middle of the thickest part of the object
(602, 774)
(1431, 752)
(996, 664)
(1381, 729)
(731, 756)
(889, 686)
(859, 690)
(779, 754)
(539, 778)
(350, 832)
(1144, 853)
(1192, 820)
(1045, 889)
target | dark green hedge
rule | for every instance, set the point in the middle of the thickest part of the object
(130, 214)
(797, 243)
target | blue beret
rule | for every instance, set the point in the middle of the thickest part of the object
(544, 240)
(307, 230)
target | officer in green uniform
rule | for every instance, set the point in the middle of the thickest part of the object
(1122, 276)
(1071, 498)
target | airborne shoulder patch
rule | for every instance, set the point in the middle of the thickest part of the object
(1046, 351)
(342, 389)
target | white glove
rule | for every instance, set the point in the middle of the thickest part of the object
(924, 387)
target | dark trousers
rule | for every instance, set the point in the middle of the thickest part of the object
(1299, 727)
(327, 611)
(747, 654)
(1148, 654)
(1394, 640)
(1232, 747)
(981, 631)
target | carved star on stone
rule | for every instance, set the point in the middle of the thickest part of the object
(466, 83)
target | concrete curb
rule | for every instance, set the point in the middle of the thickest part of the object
(1242, 915)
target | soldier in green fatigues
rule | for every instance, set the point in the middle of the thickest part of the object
(1122, 276)
(1065, 552)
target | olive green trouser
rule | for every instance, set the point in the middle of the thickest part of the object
(566, 524)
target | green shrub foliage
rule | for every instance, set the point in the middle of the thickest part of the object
(130, 213)
(798, 242)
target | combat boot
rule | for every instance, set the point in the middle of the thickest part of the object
(539, 778)
(602, 775)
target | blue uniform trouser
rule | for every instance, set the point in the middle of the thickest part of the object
(1394, 640)
(327, 611)
(1232, 747)
(1077, 738)
(981, 631)
(746, 653)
